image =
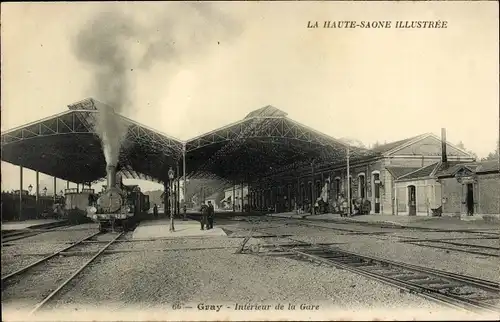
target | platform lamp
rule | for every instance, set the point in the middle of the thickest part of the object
(170, 181)
(30, 187)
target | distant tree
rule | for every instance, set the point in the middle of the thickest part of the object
(376, 145)
(492, 155)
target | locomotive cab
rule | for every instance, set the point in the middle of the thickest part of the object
(118, 205)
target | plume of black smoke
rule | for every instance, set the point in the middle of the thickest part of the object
(115, 45)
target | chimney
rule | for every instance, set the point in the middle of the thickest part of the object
(111, 176)
(444, 157)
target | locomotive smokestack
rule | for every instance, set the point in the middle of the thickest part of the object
(444, 158)
(111, 176)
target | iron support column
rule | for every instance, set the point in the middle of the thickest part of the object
(67, 184)
(177, 193)
(171, 184)
(288, 188)
(37, 192)
(234, 193)
(55, 189)
(184, 183)
(348, 185)
(313, 200)
(20, 193)
(297, 200)
(241, 209)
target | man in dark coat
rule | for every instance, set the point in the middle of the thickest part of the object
(211, 214)
(155, 211)
(204, 215)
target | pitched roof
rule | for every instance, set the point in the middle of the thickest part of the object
(392, 145)
(267, 111)
(476, 167)
(487, 166)
(429, 171)
(400, 171)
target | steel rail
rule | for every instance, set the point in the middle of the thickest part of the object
(447, 299)
(456, 249)
(433, 294)
(414, 242)
(488, 285)
(392, 226)
(23, 269)
(25, 233)
(57, 290)
(437, 241)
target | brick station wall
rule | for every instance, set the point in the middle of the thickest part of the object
(486, 195)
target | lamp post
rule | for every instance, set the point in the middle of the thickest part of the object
(30, 187)
(170, 180)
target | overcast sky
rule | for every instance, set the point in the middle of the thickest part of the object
(369, 84)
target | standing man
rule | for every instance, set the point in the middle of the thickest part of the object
(211, 213)
(204, 215)
(155, 211)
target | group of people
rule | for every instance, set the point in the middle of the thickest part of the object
(207, 216)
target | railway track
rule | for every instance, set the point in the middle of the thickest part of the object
(482, 250)
(450, 289)
(35, 282)
(9, 236)
(475, 249)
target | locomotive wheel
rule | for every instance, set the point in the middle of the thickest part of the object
(101, 228)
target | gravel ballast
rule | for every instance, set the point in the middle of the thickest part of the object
(32, 248)
(60, 236)
(11, 263)
(150, 280)
(144, 279)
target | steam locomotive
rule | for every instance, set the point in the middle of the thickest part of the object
(119, 205)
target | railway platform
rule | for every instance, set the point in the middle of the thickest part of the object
(445, 223)
(27, 224)
(159, 228)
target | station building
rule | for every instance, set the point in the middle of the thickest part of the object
(451, 189)
(372, 179)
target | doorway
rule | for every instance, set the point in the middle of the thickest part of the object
(376, 192)
(412, 202)
(470, 199)
(361, 185)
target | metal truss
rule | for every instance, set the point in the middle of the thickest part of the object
(155, 150)
(83, 121)
(263, 127)
(266, 144)
(295, 145)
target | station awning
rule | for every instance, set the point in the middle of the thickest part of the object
(66, 146)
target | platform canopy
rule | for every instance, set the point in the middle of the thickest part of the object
(264, 143)
(66, 146)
